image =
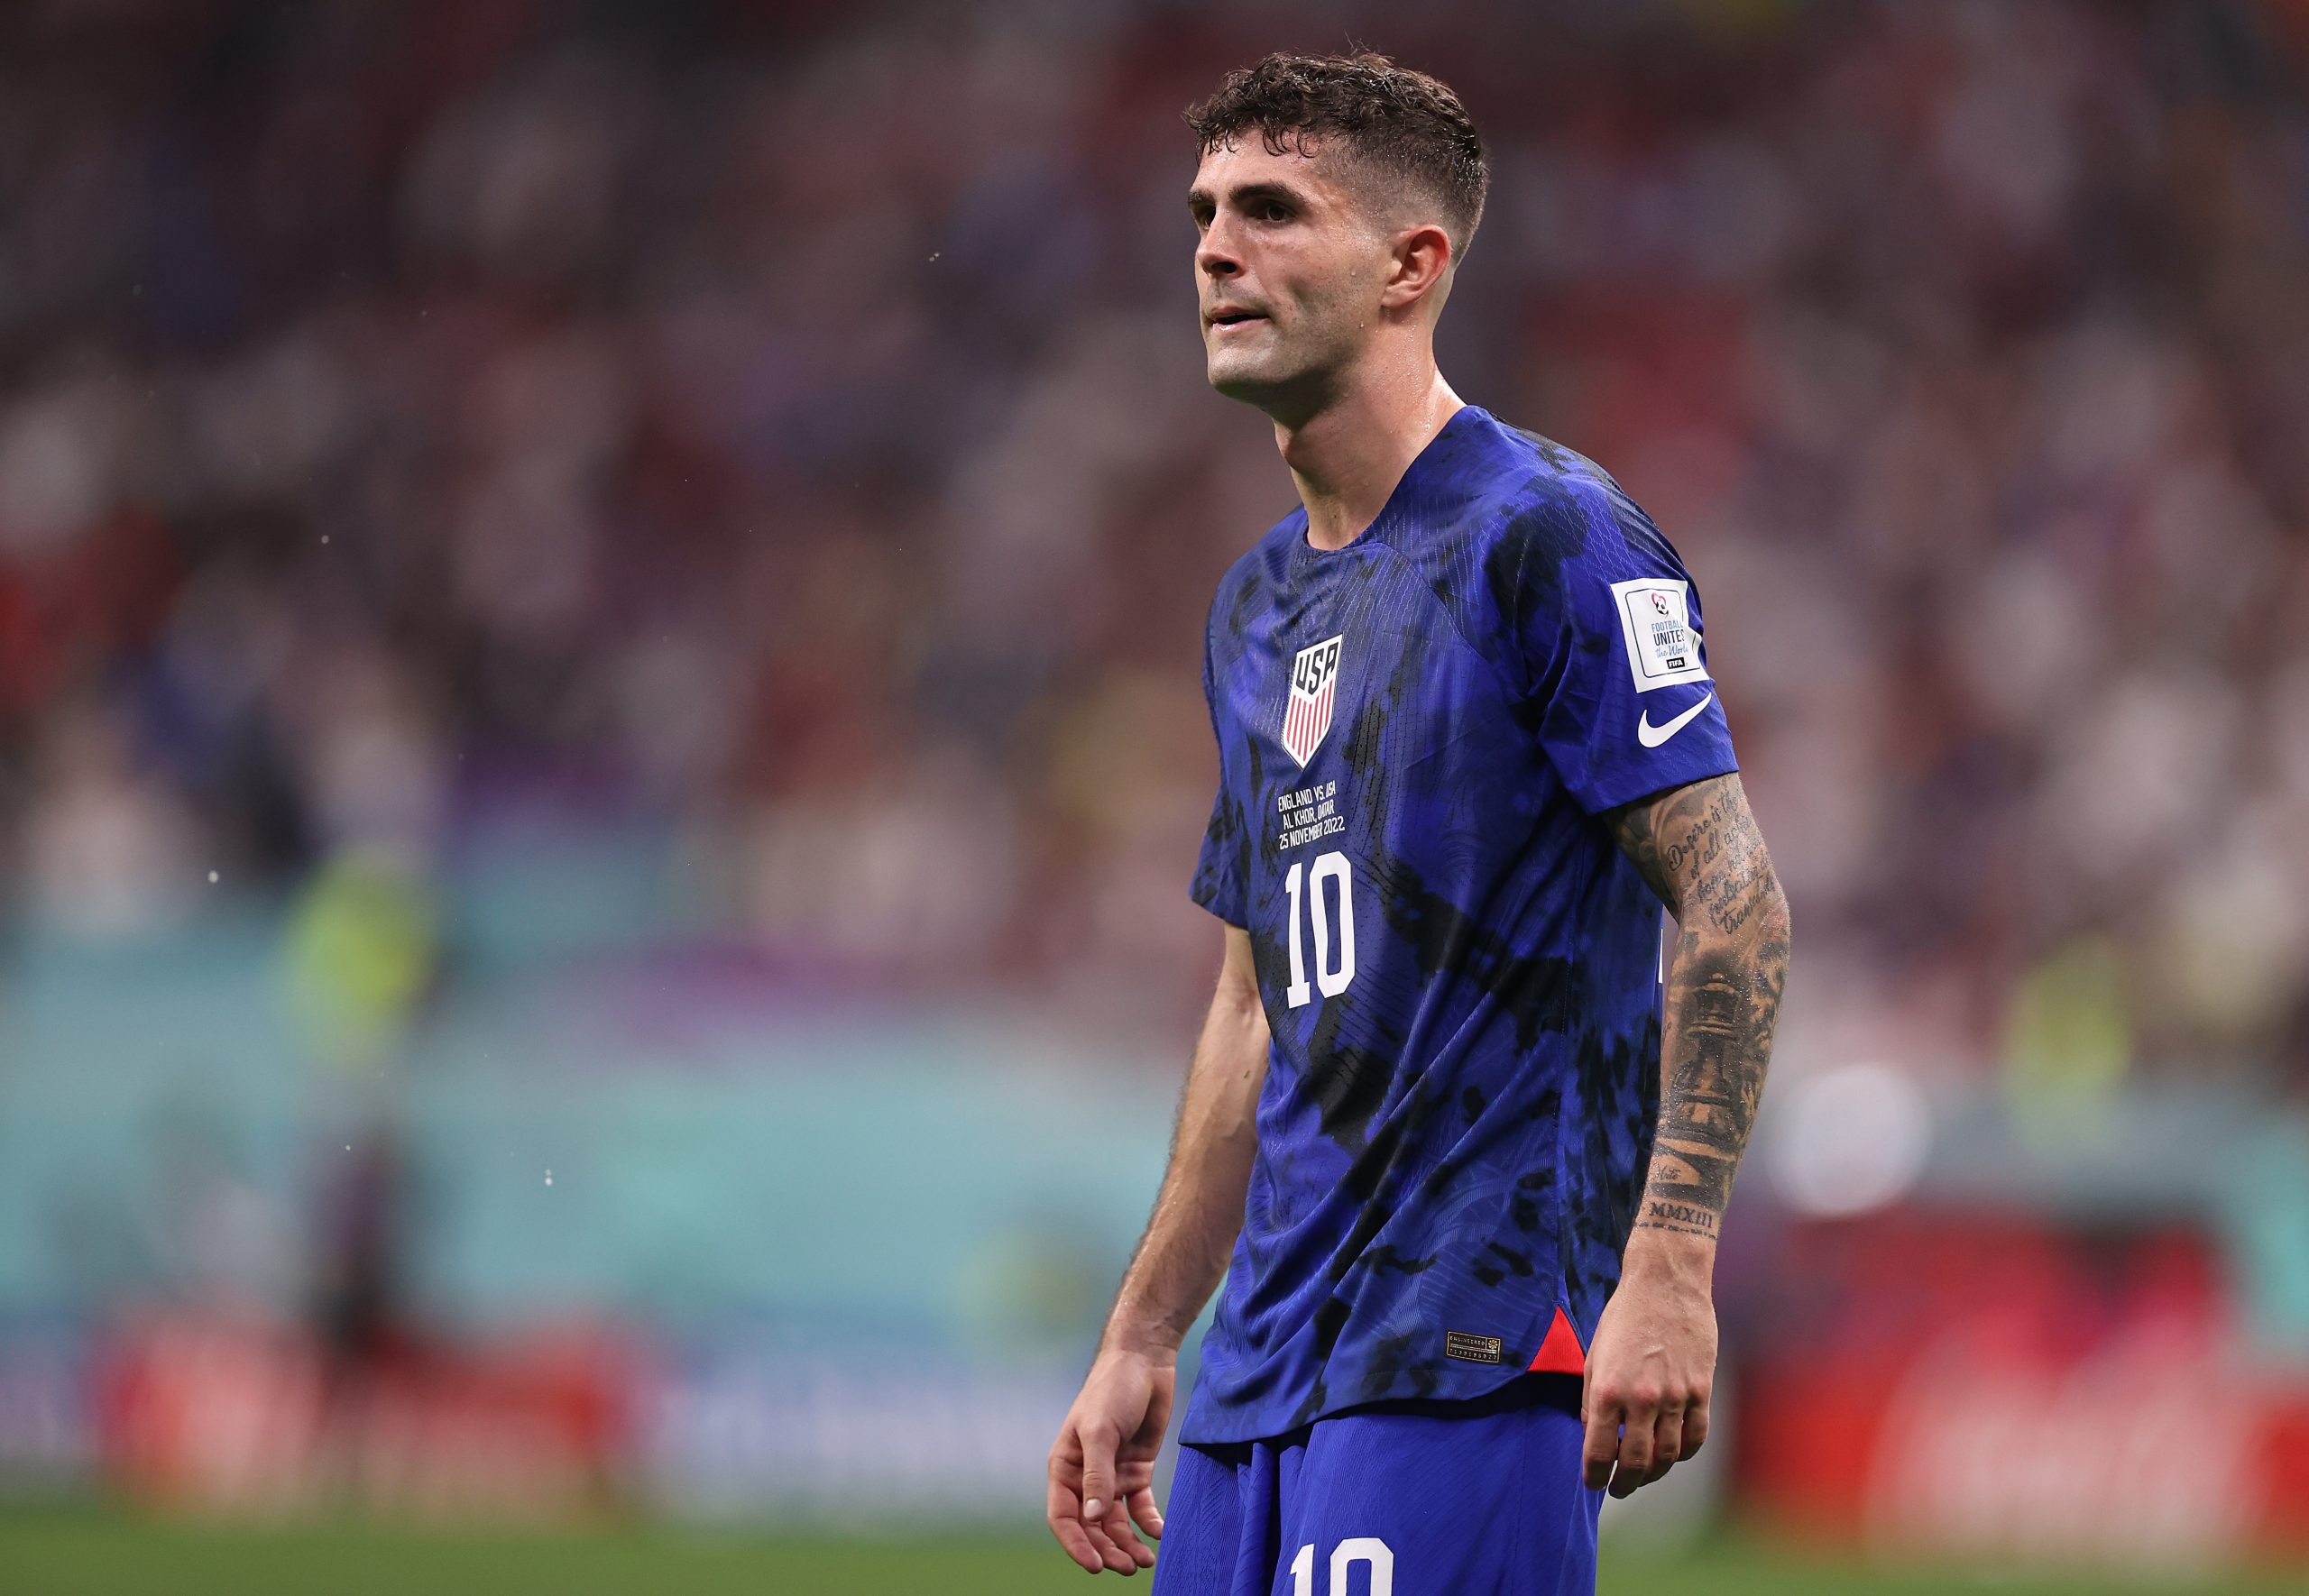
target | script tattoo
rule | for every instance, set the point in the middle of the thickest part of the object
(1699, 848)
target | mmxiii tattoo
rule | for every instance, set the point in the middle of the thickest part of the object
(1699, 848)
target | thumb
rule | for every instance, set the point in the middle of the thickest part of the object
(1097, 1470)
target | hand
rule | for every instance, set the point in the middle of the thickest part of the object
(1649, 1376)
(1102, 1464)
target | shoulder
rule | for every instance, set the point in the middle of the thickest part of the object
(1531, 503)
(1517, 524)
(1250, 583)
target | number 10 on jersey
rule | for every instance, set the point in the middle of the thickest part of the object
(1329, 876)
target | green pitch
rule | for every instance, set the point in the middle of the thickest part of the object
(89, 1553)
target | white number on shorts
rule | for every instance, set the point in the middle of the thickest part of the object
(1331, 975)
(1367, 1549)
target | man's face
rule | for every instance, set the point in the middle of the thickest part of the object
(1289, 268)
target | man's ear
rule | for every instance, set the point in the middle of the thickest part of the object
(1422, 268)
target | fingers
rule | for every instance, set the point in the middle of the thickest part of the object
(1096, 1536)
(1696, 1425)
(1667, 1443)
(1635, 1439)
(1114, 1528)
(1602, 1441)
(1639, 1419)
(1144, 1513)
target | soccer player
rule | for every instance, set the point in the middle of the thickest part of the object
(1468, 745)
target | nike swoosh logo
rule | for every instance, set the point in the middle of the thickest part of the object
(1652, 736)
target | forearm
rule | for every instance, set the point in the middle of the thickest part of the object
(1723, 1003)
(1700, 848)
(1183, 1255)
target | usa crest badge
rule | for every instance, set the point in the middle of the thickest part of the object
(1314, 685)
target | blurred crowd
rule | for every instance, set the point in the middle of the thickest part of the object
(782, 425)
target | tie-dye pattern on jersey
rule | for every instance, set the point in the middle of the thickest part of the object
(1417, 733)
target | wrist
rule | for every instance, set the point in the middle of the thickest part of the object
(1132, 1336)
(1676, 1255)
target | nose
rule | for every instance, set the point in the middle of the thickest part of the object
(1215, 256)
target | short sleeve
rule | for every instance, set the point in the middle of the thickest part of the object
(1616, 653)
(1219, 873)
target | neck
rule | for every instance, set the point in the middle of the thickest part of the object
(1347, 457)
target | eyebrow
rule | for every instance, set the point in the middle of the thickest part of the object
(1249, 194)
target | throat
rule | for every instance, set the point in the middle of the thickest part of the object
(1349, 462)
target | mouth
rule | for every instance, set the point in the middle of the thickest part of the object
(1232, 317)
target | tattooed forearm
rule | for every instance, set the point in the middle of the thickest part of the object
(1699, 848)
(1681, 1217)
(1722, 1002)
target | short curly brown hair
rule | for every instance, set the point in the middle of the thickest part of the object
(1401, 124)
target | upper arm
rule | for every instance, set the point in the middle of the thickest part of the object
(1699, 847)
(1611, 660)
(1230, 1059)
(1239, 978)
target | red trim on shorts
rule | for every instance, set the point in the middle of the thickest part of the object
(1559, 1353)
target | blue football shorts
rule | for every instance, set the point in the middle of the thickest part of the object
(1400, 1498)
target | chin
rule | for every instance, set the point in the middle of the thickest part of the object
(1244, 380)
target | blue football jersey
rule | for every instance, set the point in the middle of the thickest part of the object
(1417, 734)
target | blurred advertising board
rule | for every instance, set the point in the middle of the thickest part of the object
(1989, 1384)
(47, 1418)
(742, 1427)
(657, 1229)
(215, 1413)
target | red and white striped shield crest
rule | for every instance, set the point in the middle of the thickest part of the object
(1314, 683)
